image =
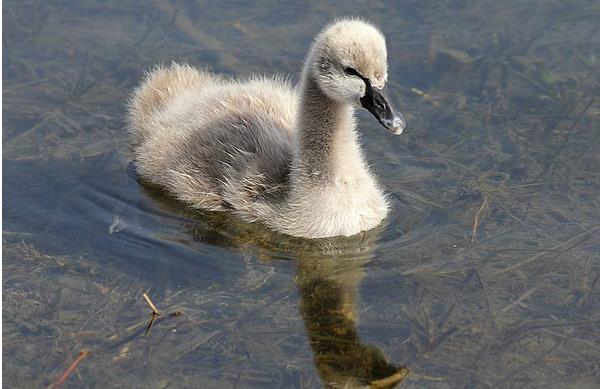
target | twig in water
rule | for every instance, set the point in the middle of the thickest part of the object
(61, 380)
(519, 300)
(151, 304)
(478, 218)
(152, 320)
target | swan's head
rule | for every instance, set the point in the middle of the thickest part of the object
(348, 60)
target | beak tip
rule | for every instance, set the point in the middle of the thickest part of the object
(398, 125)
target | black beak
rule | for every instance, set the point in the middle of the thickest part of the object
(376, 102)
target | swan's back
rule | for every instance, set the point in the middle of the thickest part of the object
(213, 142)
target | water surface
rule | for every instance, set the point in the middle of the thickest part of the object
(486, 274)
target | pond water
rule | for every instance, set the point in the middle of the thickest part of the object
(486, 274)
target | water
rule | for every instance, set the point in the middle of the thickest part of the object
(487, 273)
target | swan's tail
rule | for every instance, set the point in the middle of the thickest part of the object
(158, 87)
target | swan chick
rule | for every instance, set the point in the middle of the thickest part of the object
(285, 156)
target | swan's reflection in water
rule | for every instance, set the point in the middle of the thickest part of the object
(328, 277)
(328, 290)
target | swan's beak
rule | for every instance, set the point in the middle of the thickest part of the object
(376, 102)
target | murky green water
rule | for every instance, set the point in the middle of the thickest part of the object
(487, 274)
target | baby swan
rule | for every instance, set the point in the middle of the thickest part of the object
(286, 157)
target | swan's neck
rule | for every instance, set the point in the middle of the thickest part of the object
(328, 144)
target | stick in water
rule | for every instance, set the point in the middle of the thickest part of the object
(61, 380)
(478, 217)
(151, 304)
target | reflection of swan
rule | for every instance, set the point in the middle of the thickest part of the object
(328, 288)
(329, 273)
(264, 150)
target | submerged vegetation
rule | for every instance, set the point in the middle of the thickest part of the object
(486, 275)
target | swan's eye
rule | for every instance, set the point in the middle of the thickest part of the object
(351, 72)
(379, 104)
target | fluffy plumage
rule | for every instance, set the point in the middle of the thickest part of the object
(287, 157)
